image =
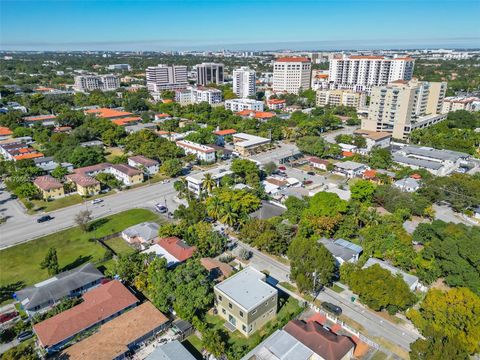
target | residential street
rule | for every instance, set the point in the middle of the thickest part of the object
(375, 325)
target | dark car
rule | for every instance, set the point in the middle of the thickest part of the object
(161, 208)
(25, 336)
(311, 173)
(208, 219)
(8, 316)
(334, 309)
(44, 218)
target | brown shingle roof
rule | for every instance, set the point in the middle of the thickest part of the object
(126, 169)
(142, 160)
(114, 336)
(212, 264)
(323, 342)
(82, 179)
(47, 182)
(98, 305)
(374, 135)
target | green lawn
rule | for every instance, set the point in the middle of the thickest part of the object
(288, 286)
(337, 289)
(47, 206)
(20, 265)
(120, 246)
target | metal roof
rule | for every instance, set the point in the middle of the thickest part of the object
(443, 155)
(409, 279)
(339, 251)
(247, 288)
(172, 350)
(399, 158)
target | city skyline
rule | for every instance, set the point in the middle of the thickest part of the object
(237, 25)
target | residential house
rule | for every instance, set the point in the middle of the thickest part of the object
(173, 249)
(216, 268)
(373, 139)
(300, 340)
(202, 152)
(127, 121)
(119, 337)
(50, 187)
(246, 144)
(48, 164)
(342, 250)
(246, 301)
(99, 306)
(127, 174)
(173, 350)
(85, 185)
(195, 181)
(92, 143)
(162, 117)
(273, 185)
(109, 114)
(318, 163)
(5, 133)
(44, 120)
(411, 280)
(221, 134)
(276, 104)
(349, 168)
(145, 164)
(141, 234)
(253, 114)
(68, 284)
(130, 129)
(407, 185)
(268, 210)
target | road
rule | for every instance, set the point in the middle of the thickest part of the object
(347, 130)
(373, 323)
(21, 227)
(445, 213)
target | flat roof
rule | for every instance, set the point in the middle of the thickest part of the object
(249, 140)
(216, 174)
(399, 158)
(247, 288)
(433, 153)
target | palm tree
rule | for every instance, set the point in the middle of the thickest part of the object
(214, 207)
(209, 183)
(288, 133)
(228, 216)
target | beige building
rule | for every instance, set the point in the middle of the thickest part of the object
(341, 97)
(50, 187)
(246, 144)
(455, 103)
(85, 185)
(246, 301)
(403, 106)
(291, 74)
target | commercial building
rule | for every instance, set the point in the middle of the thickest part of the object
(454, 103)
(237, 105)
(403, 106)
(202, 152)
(411, 280)
(246, 144)
(246, 301)
(50, 187)
(438, 162)
(210, 73)
(291, 74)
(143, 163)
(68, 284)
(195, 181)
(96, 82)
(125, 67)
(340, 98)
(360, 73)
(99, 305)
(166, 77)
(120, 336)
(244, 82)
(211, 96)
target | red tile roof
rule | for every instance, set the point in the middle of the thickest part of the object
(177, 247)
(256, 114)
(92, 168)
(321, 341)
(277, 101)
(47, 182)
(225, 132)
(162, 115)
(347, 153)
(4, 131)
(293, 59)
(39, 118)
(369, 174)
(98, 304)
(108, 113)
(126, 120)
(28, 156)
(416, 176)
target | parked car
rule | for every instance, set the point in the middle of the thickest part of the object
(208, 219)
(162, 209)
(44, 218)
(8, 316)
(334, 309)
(307, 182)
(311, 173)
(25, 336)
(96, 201)
(282, 168)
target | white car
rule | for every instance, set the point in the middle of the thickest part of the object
(96, 201)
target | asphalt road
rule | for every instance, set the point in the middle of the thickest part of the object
(374, 324)
(21, 227)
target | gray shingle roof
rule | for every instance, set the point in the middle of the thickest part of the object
(58, 287)
(343, 249)
(146, 230)
(267, 211)
(172, 350)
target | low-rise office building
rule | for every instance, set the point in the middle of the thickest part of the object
(246, 301)
(379, 139)
(438, 162)
(202, 152)
(246, 144)
(50, 187)
(237, 105)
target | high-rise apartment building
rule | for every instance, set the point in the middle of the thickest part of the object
(291, 74)
(403, 106)
(244, 82)
(166, 77)
(96, 82)
(340, 97)
(360, 73)
(208, 73)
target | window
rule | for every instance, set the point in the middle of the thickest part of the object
(244, 328)
(219, 297)
(224, 311)
(241, 313)
(254, 311)
(230, 305)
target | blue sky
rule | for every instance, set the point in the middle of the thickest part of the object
(237, 24)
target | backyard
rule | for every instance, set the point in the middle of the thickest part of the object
(20, 265)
